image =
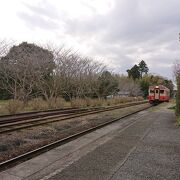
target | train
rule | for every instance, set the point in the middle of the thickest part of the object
(158, 94)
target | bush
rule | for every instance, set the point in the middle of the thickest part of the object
(14, 106)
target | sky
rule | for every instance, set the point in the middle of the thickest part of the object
(119, 33)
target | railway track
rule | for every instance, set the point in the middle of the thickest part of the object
(37, 114)
(23, 122)
(33, 153)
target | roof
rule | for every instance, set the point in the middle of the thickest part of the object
(123, 93)
(158, 86)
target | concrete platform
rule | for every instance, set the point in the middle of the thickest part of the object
(144, 146)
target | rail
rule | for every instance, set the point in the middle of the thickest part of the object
(19, 124)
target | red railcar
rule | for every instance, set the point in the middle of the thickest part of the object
(158, 94)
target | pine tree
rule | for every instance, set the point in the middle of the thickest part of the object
(134, 72)
(143, 68)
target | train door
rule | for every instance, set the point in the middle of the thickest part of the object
(156, 94)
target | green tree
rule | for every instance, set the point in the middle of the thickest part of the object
(108, 84)
(143, 68)
(134, 72)
(144, 87)
(178, 95)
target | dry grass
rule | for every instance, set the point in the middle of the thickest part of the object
(120, 100)
(99, 102)
(37, 104)
(14, 106)
(40, 104)
(61, 103)
(56, 103)
(88, 102)
(3, 103)
(78, 103)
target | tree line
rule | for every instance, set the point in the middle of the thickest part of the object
(28, 71)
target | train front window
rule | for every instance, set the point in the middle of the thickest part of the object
(161, 91)
(157, 91)
(151, 91)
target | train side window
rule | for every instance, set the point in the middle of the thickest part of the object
(161, 91)
(151, 91)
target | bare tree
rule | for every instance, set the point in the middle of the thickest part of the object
(50, 87)
(4, 47)
(16, 78)
(20, 67)
(78, 74)
(176, 68)
(128, 85)
(50, 72)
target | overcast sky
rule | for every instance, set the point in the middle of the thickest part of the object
(118, 32)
